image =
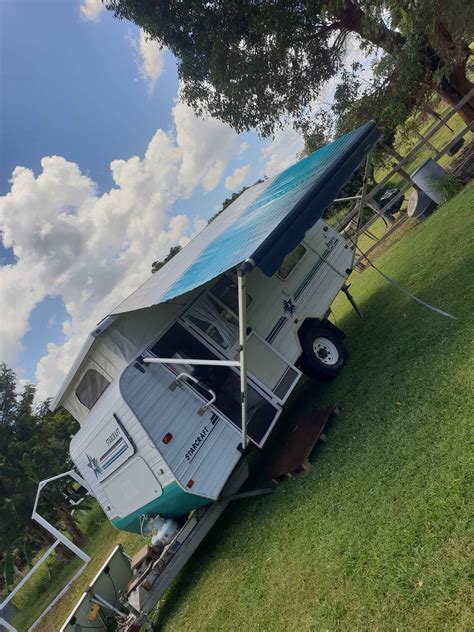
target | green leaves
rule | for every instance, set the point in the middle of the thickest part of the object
(261, 64)
(34, 444)
(8, 569)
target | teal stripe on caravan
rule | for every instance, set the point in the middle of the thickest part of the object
(309, 277)
(115, 457)
(172, 503)
(276, 329)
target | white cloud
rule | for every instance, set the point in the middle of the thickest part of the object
(243, 148)
(151, 59)
(91, 10)
(233, 182)
(282, 151)
(206, 144)
(92, 249)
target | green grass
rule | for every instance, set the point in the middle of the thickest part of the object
(376, 536)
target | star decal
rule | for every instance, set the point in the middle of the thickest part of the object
(94, 465)
(288, 307)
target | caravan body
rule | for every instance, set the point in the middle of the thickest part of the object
(161, 437)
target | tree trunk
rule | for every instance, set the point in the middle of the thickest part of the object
(353, 18)
(74, 531)
(454, 88)
(451, 59)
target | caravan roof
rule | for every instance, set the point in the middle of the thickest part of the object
(262, 225)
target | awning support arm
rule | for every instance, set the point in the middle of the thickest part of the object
(190, 361)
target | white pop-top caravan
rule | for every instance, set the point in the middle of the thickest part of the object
(198, 361)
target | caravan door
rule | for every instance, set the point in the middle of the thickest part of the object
(198, 445)
(180, 342)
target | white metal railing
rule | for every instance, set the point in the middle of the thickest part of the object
(60, 539)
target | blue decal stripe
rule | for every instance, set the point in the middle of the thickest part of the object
(309, 277)
(114, 458)
(276, 329)
(111, 450)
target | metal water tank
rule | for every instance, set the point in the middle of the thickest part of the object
(429, 176)
(419, 204)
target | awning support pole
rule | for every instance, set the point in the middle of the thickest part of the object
(362, 202)
(241, 283)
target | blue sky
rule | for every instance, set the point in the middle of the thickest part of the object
(89, 92)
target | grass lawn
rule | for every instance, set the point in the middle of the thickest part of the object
(376, 536)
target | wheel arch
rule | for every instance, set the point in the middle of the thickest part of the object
(323, 322)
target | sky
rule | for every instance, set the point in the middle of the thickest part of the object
(102, 170)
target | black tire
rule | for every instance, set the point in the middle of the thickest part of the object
(324, 352)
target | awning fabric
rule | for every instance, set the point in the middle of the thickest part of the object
(264, 224)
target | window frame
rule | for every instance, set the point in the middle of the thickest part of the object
(90, 369)
(186, 317)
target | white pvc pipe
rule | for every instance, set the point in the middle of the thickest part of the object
(48, 526)
(60, 539)
(7, 626)
(192, 362)
(58, 597)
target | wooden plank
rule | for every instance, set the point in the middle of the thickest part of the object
(140, 557)
(294, 456)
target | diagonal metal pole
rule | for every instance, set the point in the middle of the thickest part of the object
(362, 202)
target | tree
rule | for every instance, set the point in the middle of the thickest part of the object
(228, 201)
(253, 64)
(157, 265)
(34, 445)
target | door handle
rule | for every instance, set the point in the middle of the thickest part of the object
(204, 387)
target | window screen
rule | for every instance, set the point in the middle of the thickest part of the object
(291, 261)
(91, 387)
(226, 291)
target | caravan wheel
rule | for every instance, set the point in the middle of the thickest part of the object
(324, 352)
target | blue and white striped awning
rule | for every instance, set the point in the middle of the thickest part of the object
(264, 224)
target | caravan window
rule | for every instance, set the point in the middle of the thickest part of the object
(214, 320)
(91, 387)
(291, 261)
(215, 313)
